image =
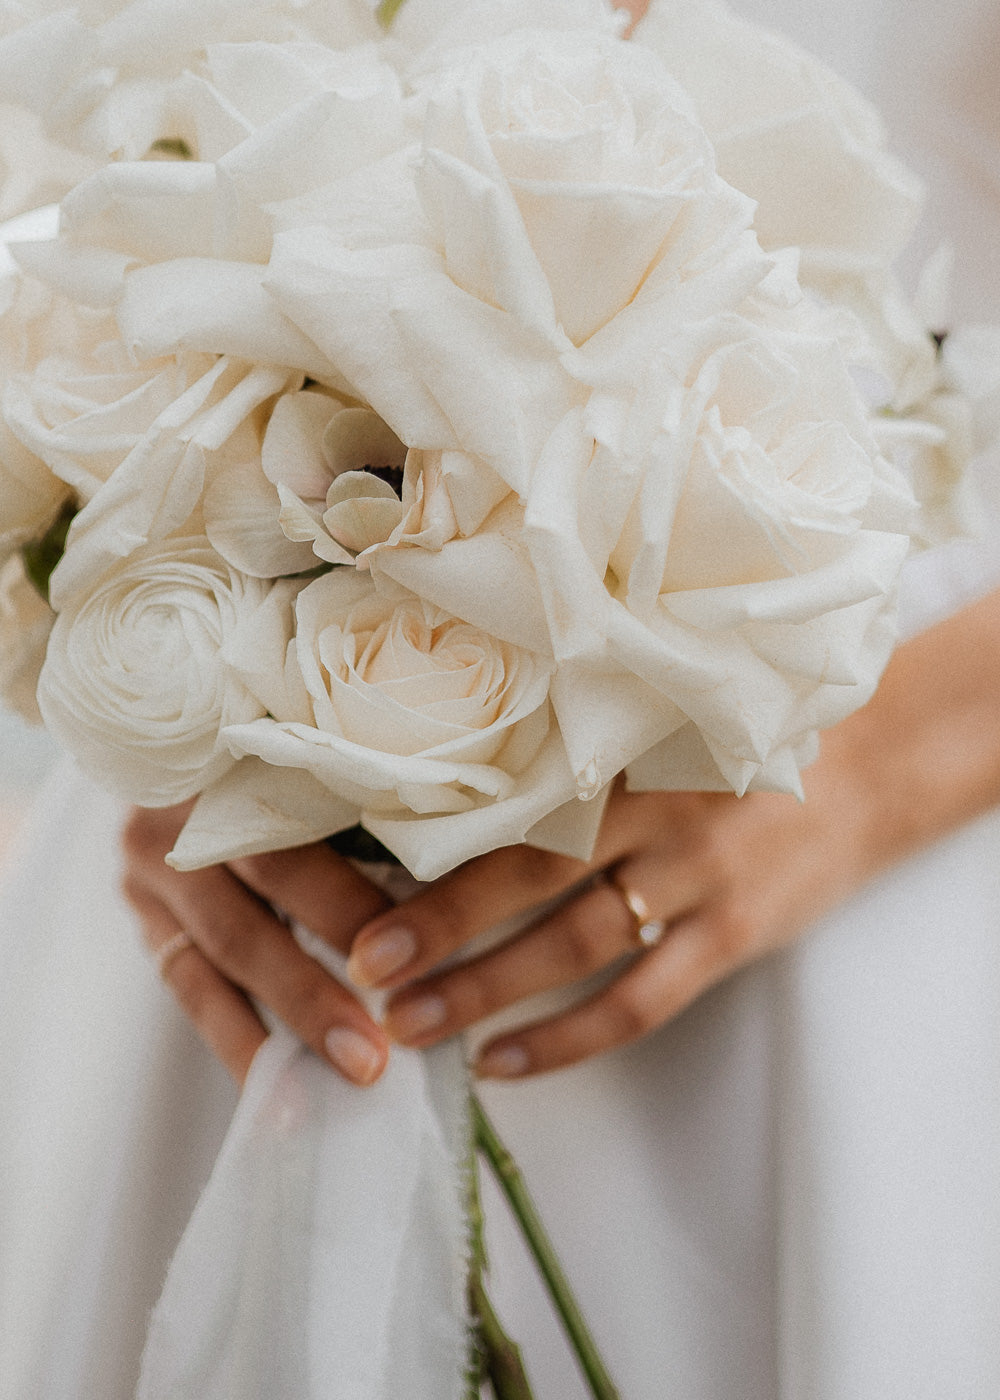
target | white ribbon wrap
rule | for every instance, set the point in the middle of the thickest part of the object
(326, 1259)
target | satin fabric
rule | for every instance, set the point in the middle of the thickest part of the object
(790, 1192)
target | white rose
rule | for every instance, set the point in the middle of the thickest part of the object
(260, 123)
(25, 624)
(33, 324)
(811, 151)
(33, 170)
(955, 418)
(438, 734)
(134, 684)
(724, 559)
(789, 132)
(30, 496)
(562, 185)
(137, 448)
(104, 79)
(559, 172)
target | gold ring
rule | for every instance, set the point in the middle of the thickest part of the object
(648, 931)
(166, 952)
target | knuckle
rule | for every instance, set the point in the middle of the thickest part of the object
(632, 1011)
(264, 871)
(185, 976)
(446, 923)
(309, 1010)
(138, 834)
(225, 940)
(148, 833)
(132, 891)
(733, 932)
(536, 869)
(470, 997)
(586, 936)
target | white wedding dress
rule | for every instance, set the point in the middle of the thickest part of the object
(792, 1193)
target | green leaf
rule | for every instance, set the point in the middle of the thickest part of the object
(42, 555)
(358, 844)
(387, 11)
(174, 146)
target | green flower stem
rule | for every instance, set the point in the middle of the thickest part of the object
(387, 12)
(496, 1357)
(501, 1357)
(509, 1178)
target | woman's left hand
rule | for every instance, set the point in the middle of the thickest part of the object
(729, 878)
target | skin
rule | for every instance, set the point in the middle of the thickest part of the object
(921, 759)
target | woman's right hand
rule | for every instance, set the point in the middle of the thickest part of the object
(241, 950)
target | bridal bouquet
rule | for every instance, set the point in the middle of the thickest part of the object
(422, 426)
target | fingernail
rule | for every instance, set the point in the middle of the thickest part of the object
(506, 1062)
(413, 1019)
(353, 1054)
(381, 956)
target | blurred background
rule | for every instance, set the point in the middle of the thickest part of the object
(26, 755)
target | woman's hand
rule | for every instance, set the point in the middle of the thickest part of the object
(241, 949)
(731, 879)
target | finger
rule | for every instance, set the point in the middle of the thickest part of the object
(244, 941)
(657, 986)
(314, 886)
(582, 937)
(220, 1013)
(409, 940)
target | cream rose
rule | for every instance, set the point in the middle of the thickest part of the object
(134, 684)
(439, 735)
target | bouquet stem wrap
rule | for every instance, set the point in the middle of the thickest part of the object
(327, 1256)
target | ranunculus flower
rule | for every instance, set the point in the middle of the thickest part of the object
(439, 735)
(134, 684)
(25, 624)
